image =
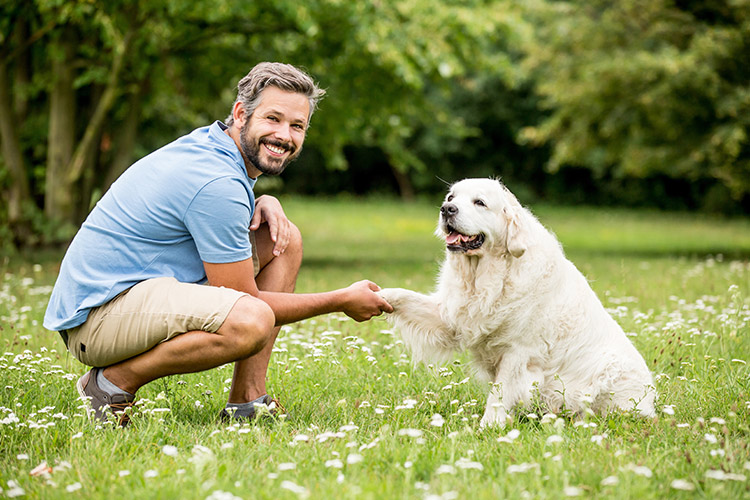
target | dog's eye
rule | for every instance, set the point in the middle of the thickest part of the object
(480, 203)
(450, 198)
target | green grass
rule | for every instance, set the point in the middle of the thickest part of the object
(362, 415)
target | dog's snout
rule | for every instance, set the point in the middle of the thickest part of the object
(448, 209)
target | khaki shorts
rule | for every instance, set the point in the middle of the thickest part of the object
(151, 312)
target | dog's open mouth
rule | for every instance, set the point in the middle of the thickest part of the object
(458, 242)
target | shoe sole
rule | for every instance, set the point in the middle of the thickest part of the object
(86, 399)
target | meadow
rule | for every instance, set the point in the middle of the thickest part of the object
(364, 422)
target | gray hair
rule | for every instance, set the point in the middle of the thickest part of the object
(271, 74)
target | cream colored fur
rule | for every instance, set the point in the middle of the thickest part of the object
(530, 320)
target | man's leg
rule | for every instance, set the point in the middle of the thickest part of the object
(246, 331)
(277, 274)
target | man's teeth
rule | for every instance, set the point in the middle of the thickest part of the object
(275, 149)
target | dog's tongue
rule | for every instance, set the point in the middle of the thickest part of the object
(453, 238)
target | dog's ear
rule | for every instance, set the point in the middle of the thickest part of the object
(515, 236)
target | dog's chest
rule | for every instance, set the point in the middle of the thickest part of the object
(472, 318)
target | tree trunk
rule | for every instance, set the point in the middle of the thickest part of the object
(19, 192)
(405, 187)
(126, 135)
(58, 199)
(93, 129)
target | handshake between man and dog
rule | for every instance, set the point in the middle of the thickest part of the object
(531, 322)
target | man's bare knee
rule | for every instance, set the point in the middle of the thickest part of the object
(249, 325)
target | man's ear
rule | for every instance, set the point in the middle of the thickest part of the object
(239, 114)
(515, 235)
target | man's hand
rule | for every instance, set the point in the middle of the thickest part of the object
(268, 209)
(362, 303)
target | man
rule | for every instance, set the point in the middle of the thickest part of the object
(129, 300)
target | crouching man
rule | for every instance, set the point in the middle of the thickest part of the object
(179, 268)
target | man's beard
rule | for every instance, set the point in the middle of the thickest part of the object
(251, 153)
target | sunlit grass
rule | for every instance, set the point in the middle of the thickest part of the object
(366, 423)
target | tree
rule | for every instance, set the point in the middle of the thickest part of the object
(644, 87)
(101, 83)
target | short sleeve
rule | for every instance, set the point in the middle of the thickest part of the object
(218, 219)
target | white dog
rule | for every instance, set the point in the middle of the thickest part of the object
(534, 327)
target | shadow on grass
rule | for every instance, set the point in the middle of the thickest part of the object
(727, 254)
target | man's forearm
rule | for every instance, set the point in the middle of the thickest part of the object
(293, 307)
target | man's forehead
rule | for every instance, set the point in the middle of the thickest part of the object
(294, 105)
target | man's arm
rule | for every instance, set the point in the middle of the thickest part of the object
(358, 301)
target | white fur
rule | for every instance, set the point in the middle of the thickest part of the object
(530, 320)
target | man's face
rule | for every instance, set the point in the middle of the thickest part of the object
(273, 135)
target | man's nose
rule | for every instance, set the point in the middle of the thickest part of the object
(283, 132)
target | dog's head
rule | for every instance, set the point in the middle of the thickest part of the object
(480, 216)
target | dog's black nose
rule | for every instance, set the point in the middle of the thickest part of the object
(448, 209)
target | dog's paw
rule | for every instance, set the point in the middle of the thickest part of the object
(496, 418)
(396, 297)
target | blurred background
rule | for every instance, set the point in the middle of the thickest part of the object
(637, 103)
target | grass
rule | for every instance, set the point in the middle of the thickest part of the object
(363, 418)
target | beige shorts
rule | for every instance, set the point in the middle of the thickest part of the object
(151, 312)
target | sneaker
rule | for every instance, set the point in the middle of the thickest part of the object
(269, 408)
(100, 402)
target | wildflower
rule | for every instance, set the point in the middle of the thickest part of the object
(510, 437)
(681, 484)
(73, 487)
(720, 475)
(668, 409)
(286, 466)
(410, 432)
(548, 417)
(41, 470)
(14, 490)
(222, 495)
(554, 439)
(169, 450)
(610, 481)
(465, 463)
(445, 469)
(22, 456)
(710, 438)
(354, 458)
(124, 473)
(335, 463)
(523, 467)
(150, 473)
(437, 420)
(598, 438)
(641, 470)
(572, 491)
(294, 488)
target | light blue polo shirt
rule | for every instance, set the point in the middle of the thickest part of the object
(188, 202)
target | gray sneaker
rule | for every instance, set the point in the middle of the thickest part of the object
(100, 401)
(269, 408)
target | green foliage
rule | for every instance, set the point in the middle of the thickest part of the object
(638, 87)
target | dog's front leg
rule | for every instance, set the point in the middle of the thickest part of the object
(518, 377)
(417, 317)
